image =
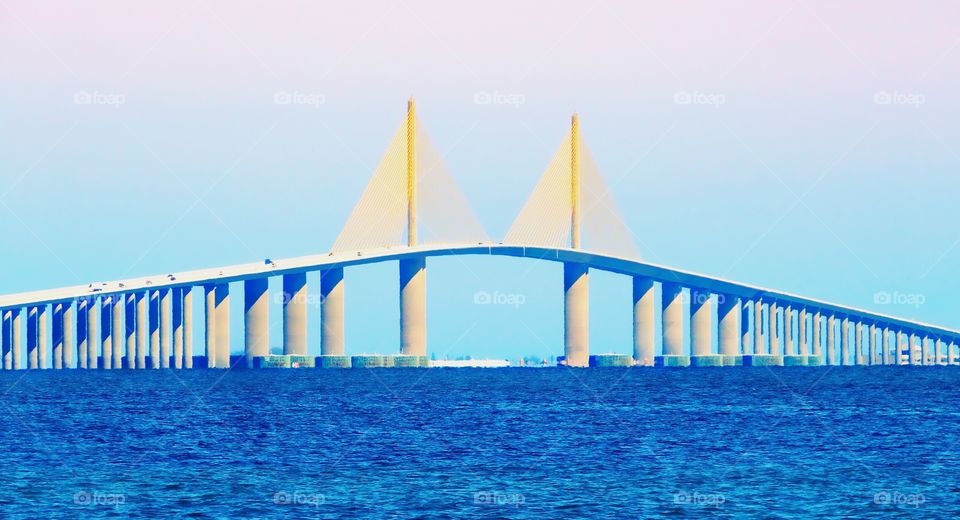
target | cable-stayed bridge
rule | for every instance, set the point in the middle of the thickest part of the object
(412, 210)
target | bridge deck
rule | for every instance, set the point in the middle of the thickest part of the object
(593, 260)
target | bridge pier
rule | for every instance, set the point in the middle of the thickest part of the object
(256, 319)
(69, 335)
(773, 328)
(875, 357)
(210, 326)
(576, 301)
(332, 312)
(832, 340)
(116, 331)
(32, 346)
(744, 326)
(295, 314)
(154, 319)
(858, 357)
(142, 329)
(222, 327)
(817, 338)
(413, 306)
(759, 345)
(106, 340)
(672, 324)
(845, 358)
(93, 336)
(188, 327)
(166, 327)
(701, 330)
(57, 329)
(729, 314)
(177, 323)
(130, 326)
(644, 316)
(802, 324)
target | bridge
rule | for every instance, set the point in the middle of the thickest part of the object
(411, 211)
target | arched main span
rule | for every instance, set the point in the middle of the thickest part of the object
(883, 339)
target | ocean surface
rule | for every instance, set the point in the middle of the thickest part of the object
(875, 442)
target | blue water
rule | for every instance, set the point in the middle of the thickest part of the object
(459, 443)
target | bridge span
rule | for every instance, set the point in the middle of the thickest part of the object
(569, 218)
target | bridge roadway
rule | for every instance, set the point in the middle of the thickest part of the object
(599, 261)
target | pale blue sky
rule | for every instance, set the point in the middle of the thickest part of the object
(788, 169)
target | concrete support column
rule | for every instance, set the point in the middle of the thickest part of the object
(69, 335)
(758, 345)
(903, 347)
(845, 342)
(886, 348)
(223, 325)
(953, 355)
(802, 333)
(831, 340)
(56, 356)
(817, 331)
(256, 319)
(916, 350)
(576, 322)
(938, 354)
(166, 327)
(788, 345)
(644, 317)
(142, 329)
(210, 324)
(728, 321)
(32, 347)
(92, 334)
(6, 339)
(413, 309)
(876, 357)
(773, 328)
(295, 314)
(106, 337)
(745, 327)
(130, 326)
(188, 327)
(42, 338)
(858, 344)
(117, 331)
(177, 317)
(83, 306)
(331, 312)
(701, 322)
(15, 338)
(154, 329)
(926, 351)
(672, 319)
